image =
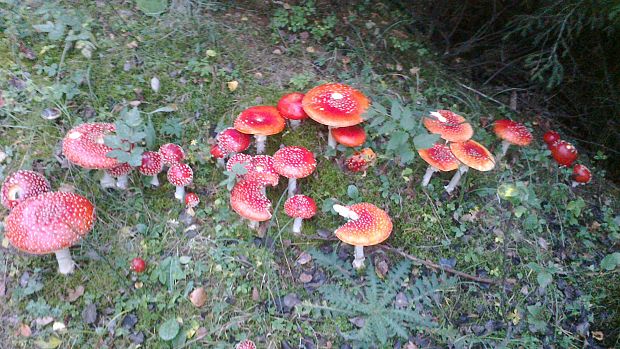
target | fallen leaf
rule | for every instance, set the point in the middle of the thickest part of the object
(410, 345)
(255, 294)
(358, 321)
(310, 49)
(89, 314)
(277, 51)
(74, 294)
(155, 84)
(232, 85)
(381, 268)
(198, 297)
(138, 285)
(51, 343)
(201, 332)
(211, 53)
(305, 278)
(598, 335)
(286, 6)
(58, 326)
(42, 321)
(543, 243)
(303, 258)
(24, 330)
(132, 44)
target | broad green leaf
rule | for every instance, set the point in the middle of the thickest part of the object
(169, 329)
(52, 343)
(544, 278)
(396, 110)
(167, 109)
(112, 141)
(149, 131)
(380, 108)
(611, 261)
(397, 139)
(152, 7)
(353, 192)
(407, 122)
(132, 117)
(406, 155)
(425, 140)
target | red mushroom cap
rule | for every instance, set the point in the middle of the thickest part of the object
(564, 153)
(22, 185)
(119, 170)
(248, 200)
(290, 107)
(49, 222)
(260, 120)
(351, 136)
(372, 227)
(300, 206)
(512, 132)
(246, 344)
(232, 141)
(551, 137)
(239, 158)
(581, 174)
(294, 162)
(216, 152)
(152, 163)
(450, 126)
(336, 105)
(171, 153)
(180, 175)
(473, 154)
(191, 200)
(361, 160)
(440, 157)
(262, 170)
(84, 146)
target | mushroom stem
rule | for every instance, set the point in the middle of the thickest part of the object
(331, 141)
(292, 186)
(253, 225)
(65, 262)
(122, 181)
(456, 179)
(345, 212)
(221, 162)
(155, 181)
(297, 225)
(107, 181)
(358, 262)
(295, 123)
(427, 176)
(260, 143)
(505, 146)
(180, 193)
(575, 184)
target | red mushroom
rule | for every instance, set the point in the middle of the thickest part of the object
(511, 132)
(294, 162)
(299, 207)
(351, 136)
(290, 108)
(138, 265)
(262, 170)
(246, 344)
(471, 154)
(22, 185)
(152, 165)
(551, 137)
(171, 154)
(191, 200)
(368, 225)
(218, 154)
(450, 126)
(248, 200)
(120, 172)
(239, 158)
(180, 175)
(51, 223)
(232, 141)
(260, 121)
(361, 160)
(564, 153)
(335, 105)
(581, 175)
(439, 158)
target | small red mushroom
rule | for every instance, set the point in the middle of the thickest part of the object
(138, 265)
(450, 126)
(171, 154)
(351, 136)
(248, 200)
(260, 121)
(294, 162)
(361, 160)
(439, 158)
(180, 175)
(22, 185)
(511, 132)
(262, 170)
(551, 137)
(232, 141)
(299, 207)
(246, 344)
(471, 154)
(121, 173)
(581, 175)
(152, 165)
(290, 108)
(564, 153)
(218, 154)
(191, 200)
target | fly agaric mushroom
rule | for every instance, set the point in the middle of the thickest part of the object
(361, 160)
(180, 175)
(551, 137)
(450, 126)
(335, 105)
(351, 136)
(191, 200)
(564, 153)
(171, 154)
(51, 223)
(232, 141)
(218, 154)
(471, 154)
(260, 121)
(439, 158)
(511, 132)
(581, 175)
(263, 171)
(294, 162)
(120, 172)
(368, 225)
(246, 344)
(299, 207)
(290, 108)
(152, 165)
(248, 200)
(239, 158)
(22, 185)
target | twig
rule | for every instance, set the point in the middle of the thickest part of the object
(483, 95)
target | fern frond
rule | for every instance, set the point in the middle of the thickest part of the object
(333, 264)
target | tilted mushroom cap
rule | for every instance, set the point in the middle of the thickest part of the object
(119, 170)
(262, 120)
(216, 152)
(300, 206)
(180, 175)
(512, 132)
(473, 154)
(246, 344)
(450, 126)
(290, 107)
(171, 153)
(361, 160)
(564, 153)
(372, 227)
(232, 141)
(336, 105)
(21, 185)
(263, 171)
(351, 136)
(440, 157)
(84, 146)
(49, 222)
(191, 200)
(581, 174)
(294, 162)
(152, 163)
(248, 200)
(239, 158)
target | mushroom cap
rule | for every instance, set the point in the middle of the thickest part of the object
(263, 171)
(551, 137)
(300, 206)
(84, 146)
(21, 185)
(473, 154)
(119, 170)
(440, 157)
(248, 200)
(336, 105)
(361, 160)
(450, 126)
(246, 344)
(290, 107)
(191, 200)
(171, 153)
(351, 136)
(512, 132)
(180, 175)
(372, 227)
(294, 162)
(262, 120)
(49, 222)
(216, 152)
(564, 153)
(232, 141)
(239, 158)
(152, 163)
(581, 174)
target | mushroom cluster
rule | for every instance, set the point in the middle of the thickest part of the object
(565, 154)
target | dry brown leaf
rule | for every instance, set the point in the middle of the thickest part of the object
(598, 335)
(42, 321)
(305, 278)
(198, 297)
(24, 330)
(232, 85)
(255, 294)
(74, 294)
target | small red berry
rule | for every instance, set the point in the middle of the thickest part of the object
(138, 265)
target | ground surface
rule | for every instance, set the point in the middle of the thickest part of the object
(550, 245)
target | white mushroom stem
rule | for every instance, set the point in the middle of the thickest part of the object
(427, 176)
(345, 212)
(253, 225)
(107, 181)
(65, 262)
(221, 162)
(505, 146)
(331, 141)
(292, 186)
(297, 225)
(180, 193)
(155, 181)
(122, 181)
(456, 179)
(575, 184)
(295, 123)
(260, 143)
(358, 262)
